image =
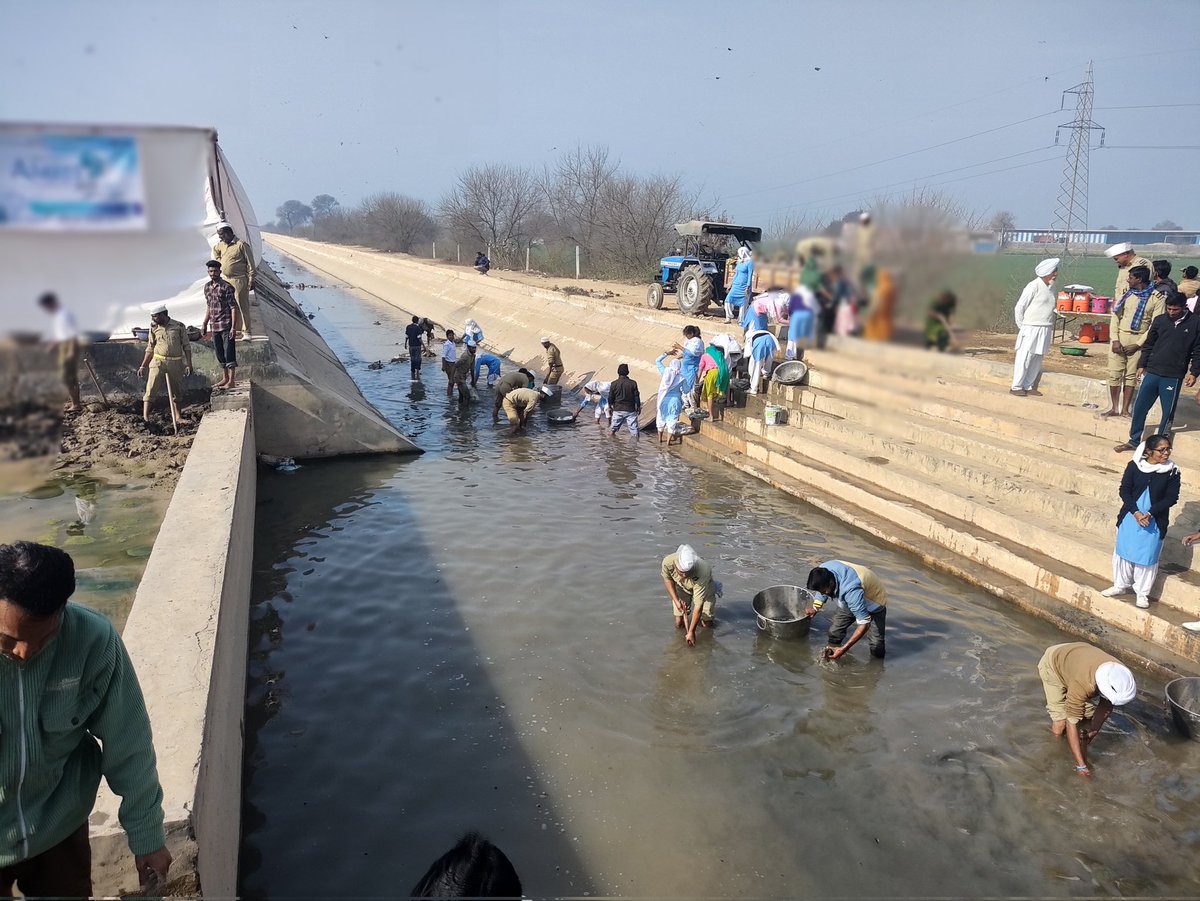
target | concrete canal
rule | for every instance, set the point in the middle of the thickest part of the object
(478, 638)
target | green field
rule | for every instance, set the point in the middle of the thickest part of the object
(988, 286)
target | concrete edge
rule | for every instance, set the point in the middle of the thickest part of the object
(187, 637)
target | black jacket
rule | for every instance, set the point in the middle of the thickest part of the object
(623, 396)
(1164, 493)
(1172, 348)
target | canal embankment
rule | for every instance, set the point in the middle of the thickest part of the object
(1042, 525)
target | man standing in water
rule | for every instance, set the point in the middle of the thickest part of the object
(449, 357)
(554, 363)
(72, 711)
(861, 602)
(519, 404)
(522, 378)
(685, 570)
(1082, 685)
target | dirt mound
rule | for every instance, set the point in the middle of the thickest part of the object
(116, 440)
(28, 431)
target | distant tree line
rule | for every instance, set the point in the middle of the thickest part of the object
(621, 222)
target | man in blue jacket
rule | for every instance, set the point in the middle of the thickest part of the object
(71, 711)
(861, 602)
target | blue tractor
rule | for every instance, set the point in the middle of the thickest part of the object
(698, 275)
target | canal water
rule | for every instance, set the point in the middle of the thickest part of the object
(478, 639)
(107, 527)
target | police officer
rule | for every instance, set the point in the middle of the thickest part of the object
(168, 356)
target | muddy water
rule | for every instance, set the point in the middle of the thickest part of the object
(107, 528)
(478, 639)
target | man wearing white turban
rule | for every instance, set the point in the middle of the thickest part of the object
(685, 570)
(1082, 685)
(1035, 328)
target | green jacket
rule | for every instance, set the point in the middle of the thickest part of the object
(79, 688)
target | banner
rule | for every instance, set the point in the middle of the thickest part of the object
(70, 182)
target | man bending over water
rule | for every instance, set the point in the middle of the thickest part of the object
(684, 570)
(861, 602)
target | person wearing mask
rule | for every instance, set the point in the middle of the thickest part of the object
(1082, 685)
(1034, 315)
(861, 601)
(1132, 313)
(625, 402)
(1169, 360)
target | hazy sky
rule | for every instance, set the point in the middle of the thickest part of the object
(348, 97)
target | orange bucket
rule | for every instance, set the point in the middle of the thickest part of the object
(1087, 333)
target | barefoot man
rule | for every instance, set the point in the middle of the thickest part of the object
(684, 570)
(1082, 685)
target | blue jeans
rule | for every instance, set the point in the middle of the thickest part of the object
(1154, 387)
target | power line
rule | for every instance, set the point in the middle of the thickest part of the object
(898, 156)
(923, 178)
(1148, 106)
(1148, 147)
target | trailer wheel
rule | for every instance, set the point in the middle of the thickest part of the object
(654, 296)
(695, 291)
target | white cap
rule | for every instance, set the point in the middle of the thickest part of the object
(546, 390)
(1115, 682)
(1117, 249)
(864, 216)
(545, 340)
(685, 557)
(223, 224)
(1046, 267)
(155, 308)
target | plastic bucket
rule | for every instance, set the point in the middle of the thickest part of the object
(1100, 304)
(1064, 302)
(779, 611)
(1087, 333)
(774, 415)
(1081, 303)
(1183, 699)
(1101, 332)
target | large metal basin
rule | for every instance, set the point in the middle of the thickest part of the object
(1183, 699)
(779, 611)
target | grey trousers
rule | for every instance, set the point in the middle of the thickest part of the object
(844, 620)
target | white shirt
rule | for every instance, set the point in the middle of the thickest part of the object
(448, 352)
(65, 328)
(1035, 307)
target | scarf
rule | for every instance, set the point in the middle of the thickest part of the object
(1139, 459)
(672, 377)
(717, 355)
(1142, 296)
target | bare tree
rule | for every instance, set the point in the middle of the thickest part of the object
(395, 222)
(1003, 223)
(574, 189)
(497, 205)
(636, 223)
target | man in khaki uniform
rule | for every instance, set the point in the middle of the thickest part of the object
(686, 572)
(237, 267)
(1082, 685)
(522, 378)
(519, 404)
(1133, 311)
(169, 358)
(1125, 258)
(554, 362)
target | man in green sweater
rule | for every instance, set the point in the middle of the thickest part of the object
(71, 710)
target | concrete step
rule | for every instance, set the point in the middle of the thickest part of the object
(1059, 426)
(1168, 652)
(1090, 548)
(826, 468)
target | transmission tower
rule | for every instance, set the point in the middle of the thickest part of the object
(1071, 213)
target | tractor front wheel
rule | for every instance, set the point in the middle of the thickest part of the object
(695, 291)
(654, 296)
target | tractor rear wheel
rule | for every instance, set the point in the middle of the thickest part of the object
(695, 291)
(654, 296)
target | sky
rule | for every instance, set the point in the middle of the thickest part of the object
(769, 109)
